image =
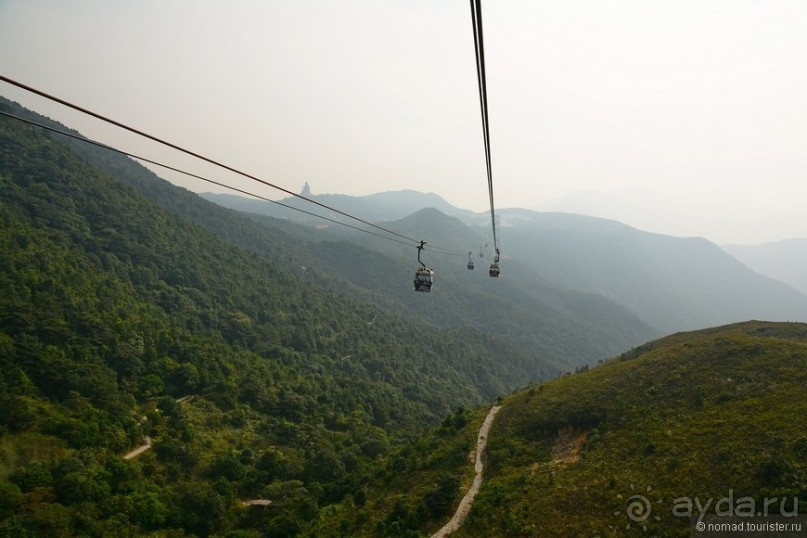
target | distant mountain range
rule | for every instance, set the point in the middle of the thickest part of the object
(285, 358)
(552, 329)
(784, 260)
(670, 283)
(574, 288)
(382, 206)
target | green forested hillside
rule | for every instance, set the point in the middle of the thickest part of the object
(114, 310)
(256, 363)
(669, 283)
(558, 328)
(712, 414)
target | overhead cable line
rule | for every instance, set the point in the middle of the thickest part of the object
(446, 251)
(479, 48)
(197, 155)
(190, 174)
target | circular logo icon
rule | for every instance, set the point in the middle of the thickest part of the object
(638, 508)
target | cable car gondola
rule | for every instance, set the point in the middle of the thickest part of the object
(494, 267)
(424, 277)
(470, 261)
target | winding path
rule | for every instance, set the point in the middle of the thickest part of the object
(479, 467)
(139, 450)
(147, 438)
(257, 502)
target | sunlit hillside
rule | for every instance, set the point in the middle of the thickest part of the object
(697, 415)
(709, 414)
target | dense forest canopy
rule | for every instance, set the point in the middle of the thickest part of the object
(169, 367)
(115, 309)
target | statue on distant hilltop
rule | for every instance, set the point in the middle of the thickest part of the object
(306, 190)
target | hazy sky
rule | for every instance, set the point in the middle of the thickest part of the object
(683, 117)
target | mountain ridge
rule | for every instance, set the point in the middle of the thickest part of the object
(382, 206)
(784, 260)
(669, 282)
(554, 326)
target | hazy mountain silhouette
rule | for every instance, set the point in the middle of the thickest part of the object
(784, 260)
(557, 329)
(669, 282)
(376, 207)
(672, 283)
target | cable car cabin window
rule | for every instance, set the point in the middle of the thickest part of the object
(494, 270)
(424, 278)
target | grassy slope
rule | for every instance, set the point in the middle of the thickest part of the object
(691, 415)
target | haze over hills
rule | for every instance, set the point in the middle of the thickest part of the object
(538, 330)
(382, 206)
(560, 329)
(531, 312)
(784, 260)
(270, 360)
(670, 283)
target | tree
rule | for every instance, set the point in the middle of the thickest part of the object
(146, 509)
(10, 498)
(440, 499)
(35, 474)
(324, 466)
